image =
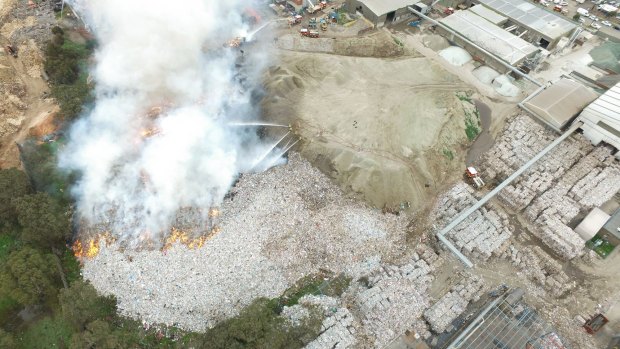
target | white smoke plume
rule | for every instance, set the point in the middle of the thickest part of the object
(158, 139)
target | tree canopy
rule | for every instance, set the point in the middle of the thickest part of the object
(98, 335)
(6, 340)
(29, 276)
(44, 221)
(81, 304)
(13, 184)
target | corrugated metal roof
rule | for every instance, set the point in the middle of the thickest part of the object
(381, 7)
(602, 118)
(606, 107)
(591, 225)
(561, 102)
(531, 16)
(488, 14)
(487, 35)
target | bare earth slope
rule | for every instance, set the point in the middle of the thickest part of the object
(386, 129)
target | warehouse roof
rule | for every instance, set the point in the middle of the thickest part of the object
(488, 14)
(602, 118)
(381, 7)
(487, 35)
(591, 225)
(560, 102)
(531, 16)
(606, 107)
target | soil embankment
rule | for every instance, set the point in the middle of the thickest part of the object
(391, 131)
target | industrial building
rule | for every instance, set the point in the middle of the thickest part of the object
(601, 119)
(480, 26)
(508, 322)
(558, 104)
(592, 224)
(382, 12)
(531, 22)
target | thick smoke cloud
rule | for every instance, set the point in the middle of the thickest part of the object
(158, 139)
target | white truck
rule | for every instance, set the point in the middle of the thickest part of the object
(583, 12)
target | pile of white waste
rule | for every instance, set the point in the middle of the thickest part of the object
(485, 74)
(275, 228)
(455, 55)
(504, 86)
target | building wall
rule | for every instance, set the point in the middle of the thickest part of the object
(596, 134)
(532, 36)
(401, 14)
(475, 52)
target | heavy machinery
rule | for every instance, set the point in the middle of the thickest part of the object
(595, 323)
(312, 23)
(474, 177)
(309, 33)
(323, 24)
(312, 8)
(294, 20)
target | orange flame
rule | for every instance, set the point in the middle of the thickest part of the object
(91, 248)
(214, 212)
(149, 132)
(178, 236)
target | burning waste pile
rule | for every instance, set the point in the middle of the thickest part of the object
(171, 127)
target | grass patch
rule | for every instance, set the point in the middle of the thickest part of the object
(7, 306)
(71, 266)
(448, 154)
(601, 246)
(7, 242)
(47, 333)
(40, 162)
(315, 284)
(464, 97)
(472, 125)
(66, 64)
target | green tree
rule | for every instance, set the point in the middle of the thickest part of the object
(98, 335)
(13, 184)
(6, 340)
(576, 17)
(258, 326)
(44, 221)
(29, 276)
(81, 304)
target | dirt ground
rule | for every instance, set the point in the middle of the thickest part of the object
(23, 102)
(389, 130)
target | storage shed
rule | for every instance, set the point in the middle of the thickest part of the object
(560, 103)
(382, 12)
(508, 47)
(601, 119)
(592, 224)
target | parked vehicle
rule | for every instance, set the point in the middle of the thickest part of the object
(583, 12)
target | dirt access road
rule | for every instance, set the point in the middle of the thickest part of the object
(23, 102)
